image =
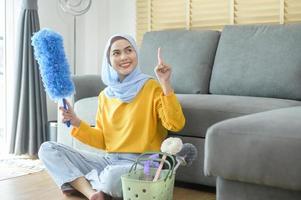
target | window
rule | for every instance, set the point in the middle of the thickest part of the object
(153, 15)
(9, 12)
(2, 73)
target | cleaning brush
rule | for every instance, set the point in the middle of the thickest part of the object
(54, 67)
(186, 156)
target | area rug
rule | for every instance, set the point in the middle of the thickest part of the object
(14, 166)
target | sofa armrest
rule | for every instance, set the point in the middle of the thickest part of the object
(261, 148)
(85, 86)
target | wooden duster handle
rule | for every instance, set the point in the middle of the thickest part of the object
(159, 168)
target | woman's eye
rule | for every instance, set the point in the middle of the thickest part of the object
(115, 53)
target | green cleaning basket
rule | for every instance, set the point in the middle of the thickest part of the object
(134, 186)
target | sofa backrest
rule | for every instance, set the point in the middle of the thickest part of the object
(258, 60)
(190, 54)
(87, 86)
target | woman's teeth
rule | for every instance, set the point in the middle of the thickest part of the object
(125, 65)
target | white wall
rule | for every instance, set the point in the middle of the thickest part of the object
(105, 17)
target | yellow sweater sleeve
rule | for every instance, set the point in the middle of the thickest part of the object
(170, 112)
(90, 135)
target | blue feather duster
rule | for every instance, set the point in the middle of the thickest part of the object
(53, 64)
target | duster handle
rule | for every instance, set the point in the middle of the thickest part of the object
(68, 123)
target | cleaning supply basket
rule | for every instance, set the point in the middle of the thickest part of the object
(135, 187)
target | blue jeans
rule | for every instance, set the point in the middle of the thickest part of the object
(103, 171)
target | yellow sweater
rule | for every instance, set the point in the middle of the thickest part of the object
(133, 127)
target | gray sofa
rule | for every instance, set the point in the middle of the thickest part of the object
(241, 90)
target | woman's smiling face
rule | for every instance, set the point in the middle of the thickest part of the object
(123, 57)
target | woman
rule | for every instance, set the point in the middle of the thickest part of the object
(134, 114)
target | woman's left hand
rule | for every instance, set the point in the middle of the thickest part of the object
(162, 70)
(163, 73)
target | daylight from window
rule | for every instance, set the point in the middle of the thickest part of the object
(2, 73)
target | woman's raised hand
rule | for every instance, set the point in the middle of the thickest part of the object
(69, 115)
(162, 70)
(163, 73)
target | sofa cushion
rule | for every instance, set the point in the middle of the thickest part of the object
(190, 54)
(202, 111)
(262, 148)
(258, 60)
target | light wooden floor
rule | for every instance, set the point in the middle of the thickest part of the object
(39, 186)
